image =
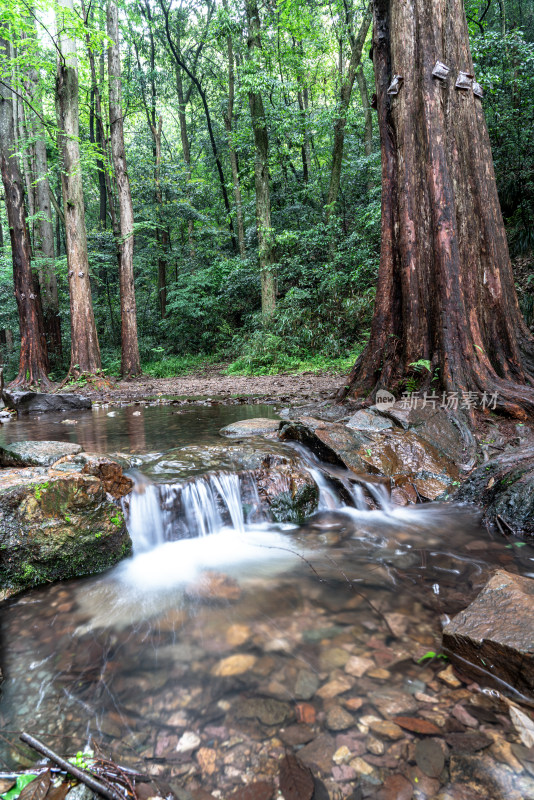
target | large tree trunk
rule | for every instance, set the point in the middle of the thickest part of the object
(445, 288)
(44, 233)
(130, 363)
(85, 350)
(357, 42)
(266, 243)
(33, 365)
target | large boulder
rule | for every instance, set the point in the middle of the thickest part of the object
(36, 454)
(446, 430)
(504, 488)
(39, 402)
(493, 639)
(412, 463)
(54, 525)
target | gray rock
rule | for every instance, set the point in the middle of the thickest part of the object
(39, 402)
(36, 454)
(81, 792)
(492, 639)
(306, 684)
(504, 488)
(447, 431)
(368, 421)
(251, 427)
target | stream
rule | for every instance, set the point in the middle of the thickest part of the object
(228, 640)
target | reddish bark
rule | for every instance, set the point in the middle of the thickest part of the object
(445, 288)
(33, 364)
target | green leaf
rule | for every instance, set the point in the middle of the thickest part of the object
(22, 781)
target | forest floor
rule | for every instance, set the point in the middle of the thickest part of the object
(212, 382)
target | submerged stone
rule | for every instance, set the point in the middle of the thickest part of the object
(36, 454)
(493, 639)
(39, 402)
(251, 427)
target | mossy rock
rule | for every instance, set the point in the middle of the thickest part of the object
(57, 528)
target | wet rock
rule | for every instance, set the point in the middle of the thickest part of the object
(334, 688)
(368, 422)
(358, 666)
(188, 742)
(429, 757)
(393, 702)
(494, 635)
(297, 734)
(319, 753)
(504, 489)
(338, 719)
(110, 474)
(237, 664)
(398, 454)
(207, 760)
(265, 709)
(81, 792)
(331, 442)
(401, 455)
(251, 427)
(35, 454)
(387, 729)
(333, 658)
(327, 411)
(54, 528)
(306, 684)
(446, 431)
(39, 403)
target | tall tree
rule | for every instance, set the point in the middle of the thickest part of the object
(266, 243)
(85, 350)
(228, 115)
(445, 289)
(130, 363)
(197, 83)
(33, 365)
(44, 230)
(357, 41)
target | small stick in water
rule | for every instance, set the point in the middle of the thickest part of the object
(80, 774)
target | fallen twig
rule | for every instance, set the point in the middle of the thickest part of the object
(80, 774)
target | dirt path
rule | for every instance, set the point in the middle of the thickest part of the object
(210, 382)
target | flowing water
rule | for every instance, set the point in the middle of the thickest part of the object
(227, 640)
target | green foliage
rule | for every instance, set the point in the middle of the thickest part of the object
(21, 782)
(171, 366)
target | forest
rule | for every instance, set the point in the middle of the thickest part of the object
(228, 153)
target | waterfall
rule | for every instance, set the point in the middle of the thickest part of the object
(157, 513)
(229, 501)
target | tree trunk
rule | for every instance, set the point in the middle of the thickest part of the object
(184, 136)
(228, 124)
(445, 288)
(202, 94)
(130, 363)
(85, 350)
(266, 243)
(357, 43)
(368, 121)
(33, 365)
(44, 234)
